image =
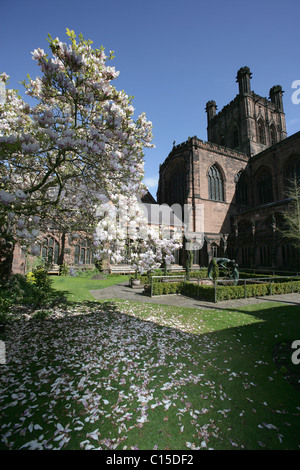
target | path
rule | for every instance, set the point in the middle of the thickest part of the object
(124, 292)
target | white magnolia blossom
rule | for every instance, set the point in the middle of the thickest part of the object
(78, 145)
(124, 233)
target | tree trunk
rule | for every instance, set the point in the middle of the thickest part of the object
(6, 260)
(62, 249)
(165, 268)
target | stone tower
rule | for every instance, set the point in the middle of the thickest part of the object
(250, 123)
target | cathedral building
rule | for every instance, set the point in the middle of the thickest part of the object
(238, 180)
(240, 176)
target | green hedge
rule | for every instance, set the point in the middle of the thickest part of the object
(256, 290)
(207, 293)
(199, 292)
(161, 288)
(189, 289)
(199, 274)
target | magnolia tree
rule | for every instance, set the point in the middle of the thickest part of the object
(124, 233)
(76, 147)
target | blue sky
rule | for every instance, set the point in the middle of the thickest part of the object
(173, 56)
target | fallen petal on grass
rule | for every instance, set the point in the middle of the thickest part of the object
(122, 375)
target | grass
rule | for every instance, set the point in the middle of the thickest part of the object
(123, 375)
(77, 288)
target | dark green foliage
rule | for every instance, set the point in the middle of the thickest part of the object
(189, 262)
(160, 288)
(257, 290)
(199, 274)
(42, 278)
(198, 292)
(99, 265)
(207, 293)
(64, 270)
(215, 272)
(34, 291)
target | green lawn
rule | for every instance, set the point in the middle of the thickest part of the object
(123, 375)
(77, 288)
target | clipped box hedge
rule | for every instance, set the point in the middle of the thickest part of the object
(161, 288)
(185, 288)
(256, 290)
(198, 292)
(207, 293)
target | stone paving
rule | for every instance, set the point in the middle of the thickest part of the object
(124, 292)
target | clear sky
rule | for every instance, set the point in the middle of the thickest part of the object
(173, 55)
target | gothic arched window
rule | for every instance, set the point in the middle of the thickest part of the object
(82, 252)
(261, 132)
(215, 184)
(176, 184)
(241, 188)
(50, 250)
(292, 172)
(273, 134)
(265, 188)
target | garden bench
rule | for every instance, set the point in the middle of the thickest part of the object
(176, 268)
(54, 269)
(121, 269)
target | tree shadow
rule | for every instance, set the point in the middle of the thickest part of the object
(248, 358)
(225, 372)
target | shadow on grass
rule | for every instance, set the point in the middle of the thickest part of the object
(242, 401)
(248, 358)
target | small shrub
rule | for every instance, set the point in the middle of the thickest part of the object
(64, 269)
(41, 314)
(5, 304)
(215, 272)
(33, 289)
(99, 265)
(42, 278)
(30, 277)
